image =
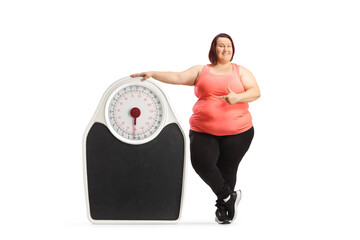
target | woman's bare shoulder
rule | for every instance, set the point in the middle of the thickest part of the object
(243, 70)
(198, 68)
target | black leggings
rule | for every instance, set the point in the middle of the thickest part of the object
(216, 158)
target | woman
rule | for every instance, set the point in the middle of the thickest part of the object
(221, 128)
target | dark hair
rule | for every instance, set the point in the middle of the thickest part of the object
(212, 52)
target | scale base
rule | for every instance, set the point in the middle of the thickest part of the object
(134, 182)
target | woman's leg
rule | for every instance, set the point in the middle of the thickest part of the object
(232, 150)
(204, 151)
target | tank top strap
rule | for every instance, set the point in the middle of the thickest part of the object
(207, 68)
(237, 67)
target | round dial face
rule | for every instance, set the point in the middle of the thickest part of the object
(135, 113)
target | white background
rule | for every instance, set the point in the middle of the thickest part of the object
(300, 178)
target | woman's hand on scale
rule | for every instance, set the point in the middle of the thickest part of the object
(144, 75)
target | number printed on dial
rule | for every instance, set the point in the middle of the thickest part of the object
(135, 112)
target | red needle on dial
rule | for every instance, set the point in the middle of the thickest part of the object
(135, 113)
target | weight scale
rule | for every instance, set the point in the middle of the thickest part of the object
(134, 156)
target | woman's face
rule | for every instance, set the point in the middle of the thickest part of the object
(224, 50)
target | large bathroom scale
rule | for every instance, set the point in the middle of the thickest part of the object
(134, 156)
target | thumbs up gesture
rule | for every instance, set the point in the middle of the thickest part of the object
(231, 98)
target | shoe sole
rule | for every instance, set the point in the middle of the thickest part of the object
(221, 222)
(238, 197)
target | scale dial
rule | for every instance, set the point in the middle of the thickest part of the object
(135, 113)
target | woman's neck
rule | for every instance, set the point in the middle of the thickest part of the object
(222, 68)
(221, 65)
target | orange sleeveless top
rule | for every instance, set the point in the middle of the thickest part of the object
(213, 115)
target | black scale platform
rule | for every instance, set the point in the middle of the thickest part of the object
(134, 182)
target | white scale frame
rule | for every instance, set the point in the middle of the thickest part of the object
(101, 116)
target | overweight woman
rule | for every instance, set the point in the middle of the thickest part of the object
(221, 128)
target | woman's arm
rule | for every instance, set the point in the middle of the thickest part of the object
(187, 77)
(252, 91)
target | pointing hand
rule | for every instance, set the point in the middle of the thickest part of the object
(231, 98)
